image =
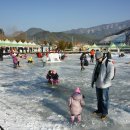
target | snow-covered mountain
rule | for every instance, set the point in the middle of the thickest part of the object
(119, 37)
(102, 30)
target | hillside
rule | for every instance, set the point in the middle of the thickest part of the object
(1, 31)
(86, 35)
(79, 35)
(2, 35)
(118, 37)
(37, 34)
(101, 31)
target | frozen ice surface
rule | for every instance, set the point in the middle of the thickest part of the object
(28, 102)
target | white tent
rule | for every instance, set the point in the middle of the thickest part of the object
(112, 46)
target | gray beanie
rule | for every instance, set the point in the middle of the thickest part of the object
(99, 55)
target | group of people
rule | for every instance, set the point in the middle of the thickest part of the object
(84, 60)
(53, 77)
(92, 54)
(16, 58)
(102, 77)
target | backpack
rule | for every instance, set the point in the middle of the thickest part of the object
(83, 56)
(86, 62)
(106, 63)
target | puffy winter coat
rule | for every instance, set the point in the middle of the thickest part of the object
(76, 102)
(15, 60)
(105, 75)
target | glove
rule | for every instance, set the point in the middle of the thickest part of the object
(83, 96)
(92, 85)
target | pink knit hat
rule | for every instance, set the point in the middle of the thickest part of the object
(77, 90)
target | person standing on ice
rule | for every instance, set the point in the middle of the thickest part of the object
(92, 53)
(18, 59)
(1, 54)
(76, 103)
(82, 60)
(15, 60)
(44, 60)
(102, 77)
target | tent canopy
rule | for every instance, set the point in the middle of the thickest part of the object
(8, 43)
(112, 46)
(94, 46)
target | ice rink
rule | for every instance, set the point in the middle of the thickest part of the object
(28, 102)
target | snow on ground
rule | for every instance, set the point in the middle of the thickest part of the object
(28, 102)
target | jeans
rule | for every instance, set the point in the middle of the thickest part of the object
(102, 100)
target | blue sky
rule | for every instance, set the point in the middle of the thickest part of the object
(61, 15)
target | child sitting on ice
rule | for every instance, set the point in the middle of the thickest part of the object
(30, 60)
(76, 103)
(52, 77)
(49, 76)
(55, 77)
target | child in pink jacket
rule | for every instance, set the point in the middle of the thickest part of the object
(15, 60)
(76, 103)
